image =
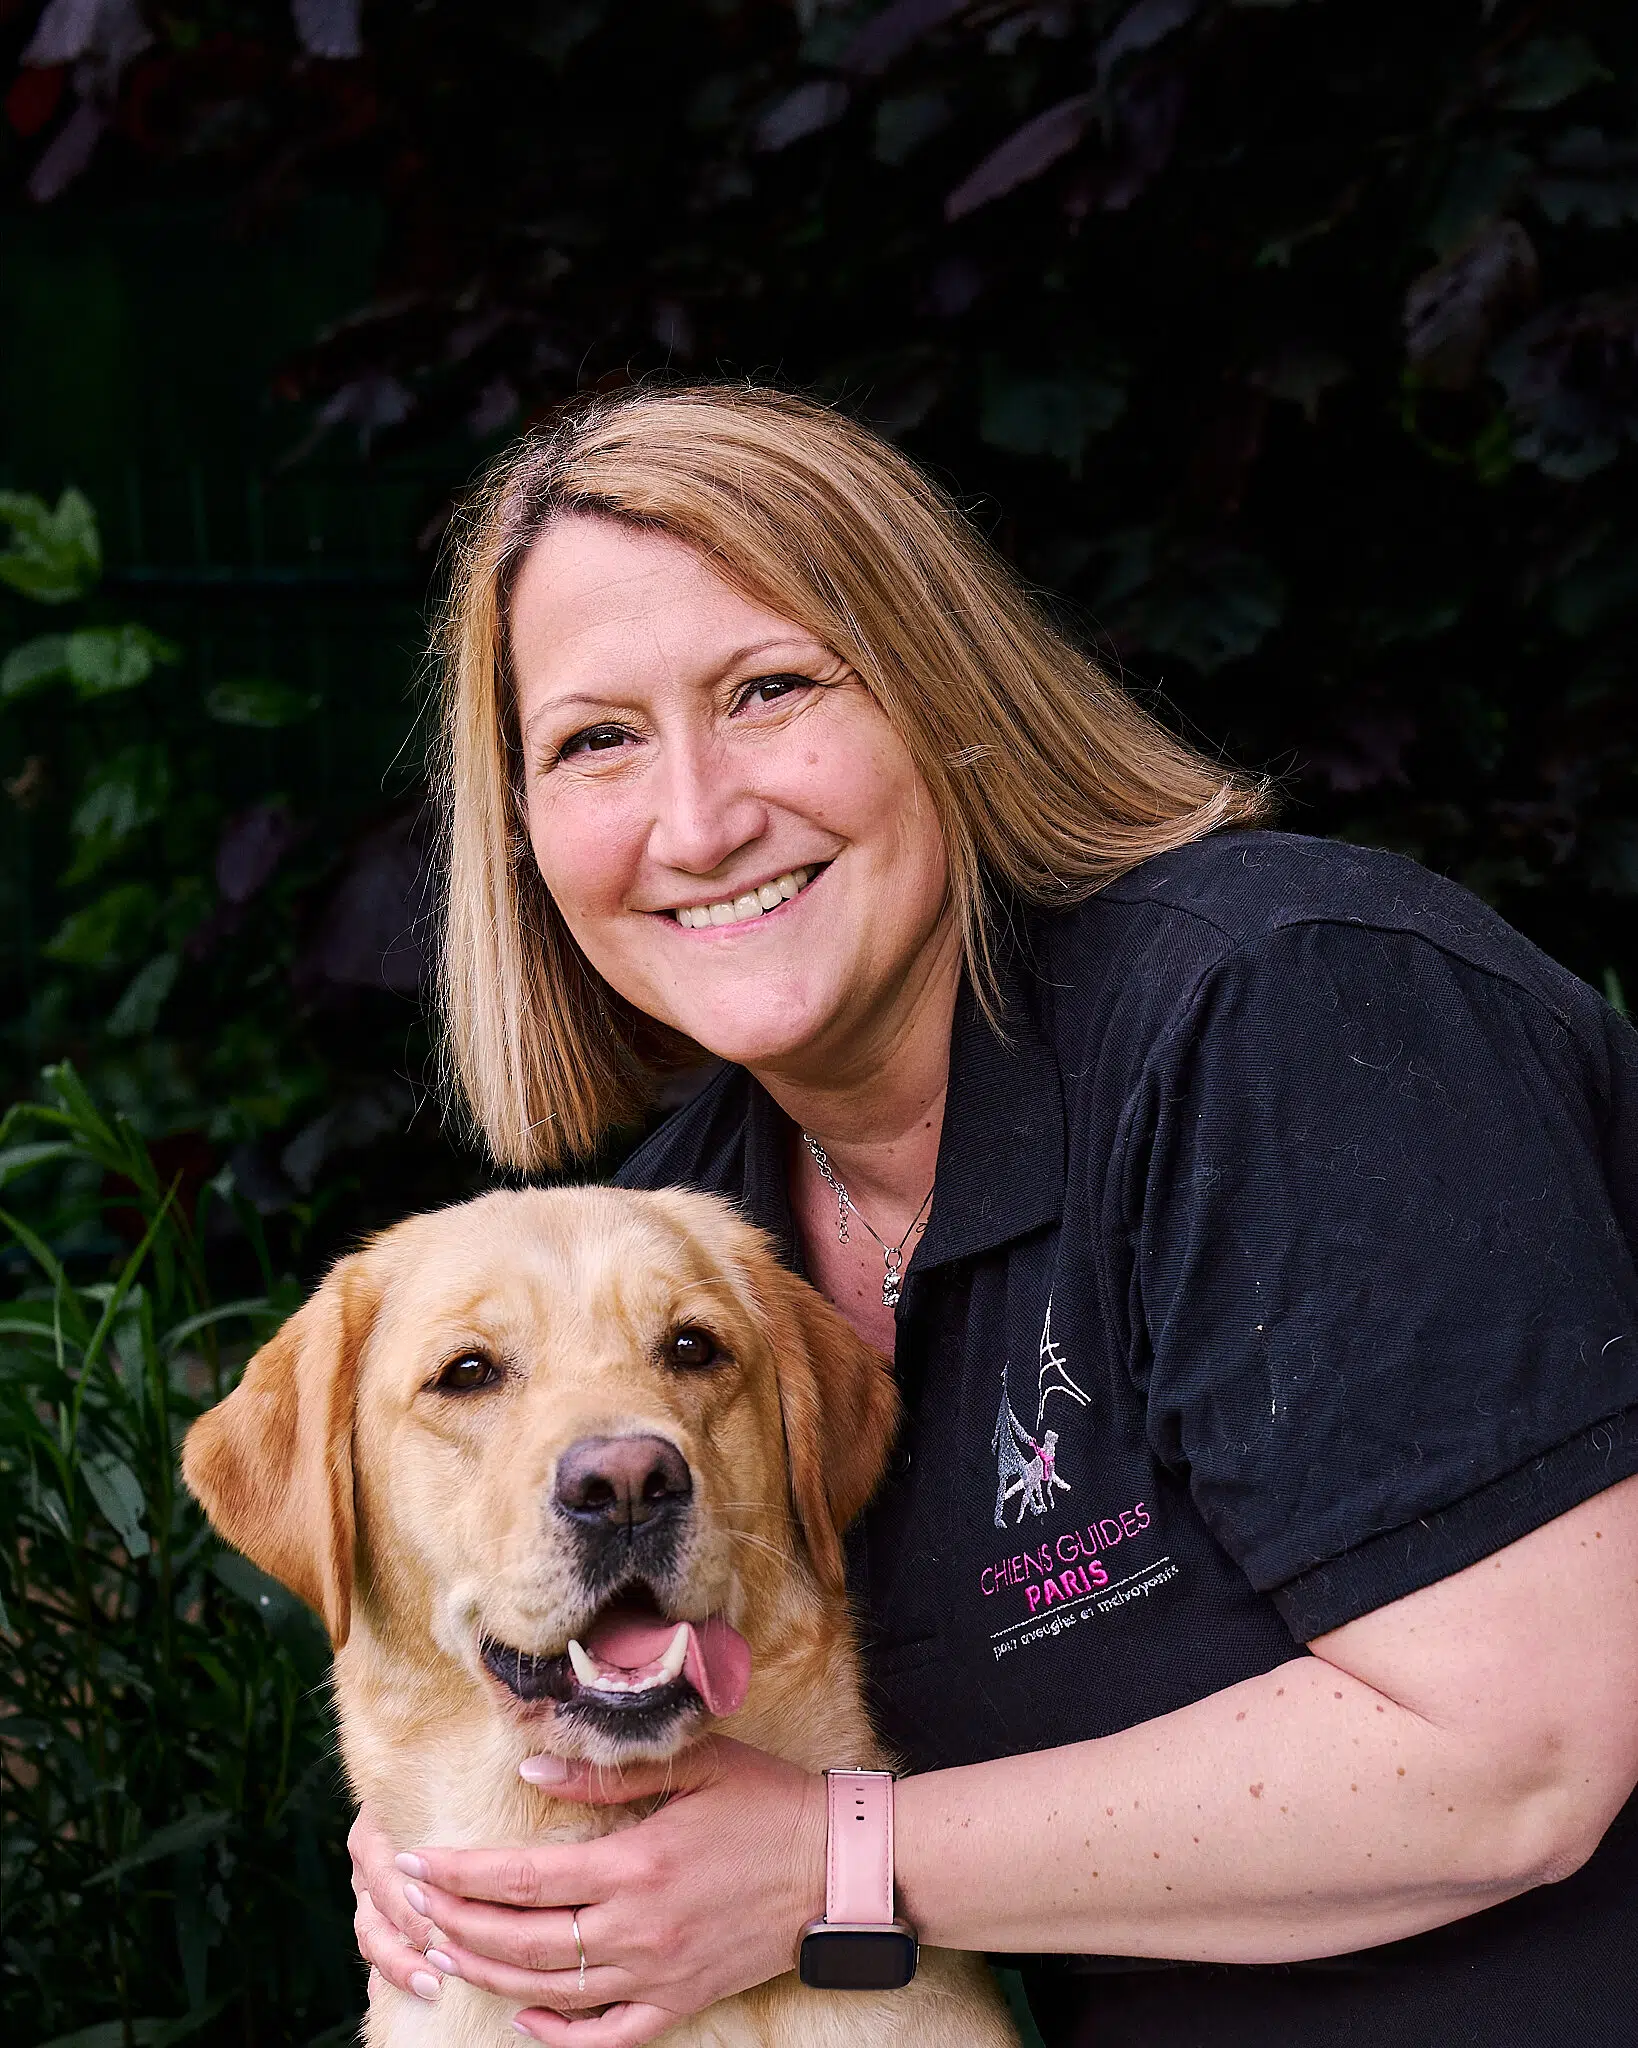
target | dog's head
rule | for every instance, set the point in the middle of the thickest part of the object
(568, 1439)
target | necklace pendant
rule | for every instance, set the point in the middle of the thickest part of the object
(893, 1259)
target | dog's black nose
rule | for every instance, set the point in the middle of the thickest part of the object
(622, 1482)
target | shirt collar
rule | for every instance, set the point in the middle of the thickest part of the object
(1000, 1154)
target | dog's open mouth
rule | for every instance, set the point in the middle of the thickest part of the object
(631, 1671)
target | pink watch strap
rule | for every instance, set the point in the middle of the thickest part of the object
(859, 1864)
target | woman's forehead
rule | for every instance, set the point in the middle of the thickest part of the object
(597, 599)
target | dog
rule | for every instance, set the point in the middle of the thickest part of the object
(548, 1464)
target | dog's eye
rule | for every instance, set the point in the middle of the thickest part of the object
(466, 1374)
(691, 1349)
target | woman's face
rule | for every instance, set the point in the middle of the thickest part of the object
(687, 751)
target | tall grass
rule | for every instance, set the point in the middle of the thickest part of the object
(171, 1867)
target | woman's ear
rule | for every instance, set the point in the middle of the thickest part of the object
(272, 1465)
(841, 1409)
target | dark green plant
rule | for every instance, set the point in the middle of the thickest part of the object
(226, 957)
(172, 1805)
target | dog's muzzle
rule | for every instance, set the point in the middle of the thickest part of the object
(629, 1501)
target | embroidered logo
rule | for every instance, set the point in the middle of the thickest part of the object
(1023, 1465)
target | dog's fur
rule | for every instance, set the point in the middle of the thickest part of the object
(418, 1520)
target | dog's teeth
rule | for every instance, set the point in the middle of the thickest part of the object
(676, 1656)
(584, 1669)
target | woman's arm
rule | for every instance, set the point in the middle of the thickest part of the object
(1435, 1757)
(1462, 1745)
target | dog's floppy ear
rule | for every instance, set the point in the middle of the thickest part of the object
(272, 1465)
(841, 1408)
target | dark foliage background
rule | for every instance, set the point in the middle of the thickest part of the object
(1292, 348)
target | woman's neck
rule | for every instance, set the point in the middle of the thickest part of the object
(878, 1110)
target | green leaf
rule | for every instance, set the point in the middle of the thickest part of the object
(30, 667)
(112, 2034)
(187, 1833)
(1048, 415)
(1212, 611)
(104, 659)
(116, 1490)
(18, 1159)
(1548, 71)
(253, 1305)
(137, 1011)
(157, 2033)
(1481, 182)
(107, 932)
(276, 1604)
(54, 555)
(252, 700)
(122, 796)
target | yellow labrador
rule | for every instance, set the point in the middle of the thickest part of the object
(567, 1470)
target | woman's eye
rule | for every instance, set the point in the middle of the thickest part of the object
(769, 689)
(692, 1349)
(466, 1374)
(596, 739)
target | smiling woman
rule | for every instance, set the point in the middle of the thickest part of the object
(742, 573)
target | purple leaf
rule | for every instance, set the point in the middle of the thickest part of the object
(1452, 311)
(250, 849)
(1025, 154)
(896, 29)
(1146, 118)
(1148, 23)
(366, 937)
(70, 151)
(63, 32)
(803, 112)
(1571, 379)
(328, 28)
(99, 37)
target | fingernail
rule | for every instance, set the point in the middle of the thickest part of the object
(416, 1897)
(439, 1961)
(424, 1984)
(412, 1866)
(519, 2028)
(543, 1770)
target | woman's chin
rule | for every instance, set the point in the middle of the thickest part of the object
(749, 1032)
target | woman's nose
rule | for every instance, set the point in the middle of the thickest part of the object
(703, 813)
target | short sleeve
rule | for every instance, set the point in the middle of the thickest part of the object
(1384, 1276)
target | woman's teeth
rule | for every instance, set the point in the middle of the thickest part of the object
(736, 909)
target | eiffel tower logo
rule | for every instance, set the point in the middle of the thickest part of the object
(1053, 1377)
(1026, 1469)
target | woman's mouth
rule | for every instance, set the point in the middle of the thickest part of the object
(752, 904)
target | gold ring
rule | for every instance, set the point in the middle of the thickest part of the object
(579, 1945)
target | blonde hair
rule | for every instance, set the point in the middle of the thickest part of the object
(1047, 779)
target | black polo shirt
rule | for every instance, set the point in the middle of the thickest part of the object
(1281, 1262)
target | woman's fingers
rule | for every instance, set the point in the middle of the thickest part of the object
(557, 1876)
(389, 1955)
(558, 1990)
(375, 1872)
(535, 1942)
(622, 2026)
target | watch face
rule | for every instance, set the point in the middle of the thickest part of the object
(868, 1959)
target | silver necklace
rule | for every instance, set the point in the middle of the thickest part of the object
(892, 1254)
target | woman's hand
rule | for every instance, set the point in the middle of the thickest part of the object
(392, 1937)
(702, 1899)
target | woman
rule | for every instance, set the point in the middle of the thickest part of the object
(1250, 1220)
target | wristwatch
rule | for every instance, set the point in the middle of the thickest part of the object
(858, 1945)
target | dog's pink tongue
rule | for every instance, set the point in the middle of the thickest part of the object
(718, 1664)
